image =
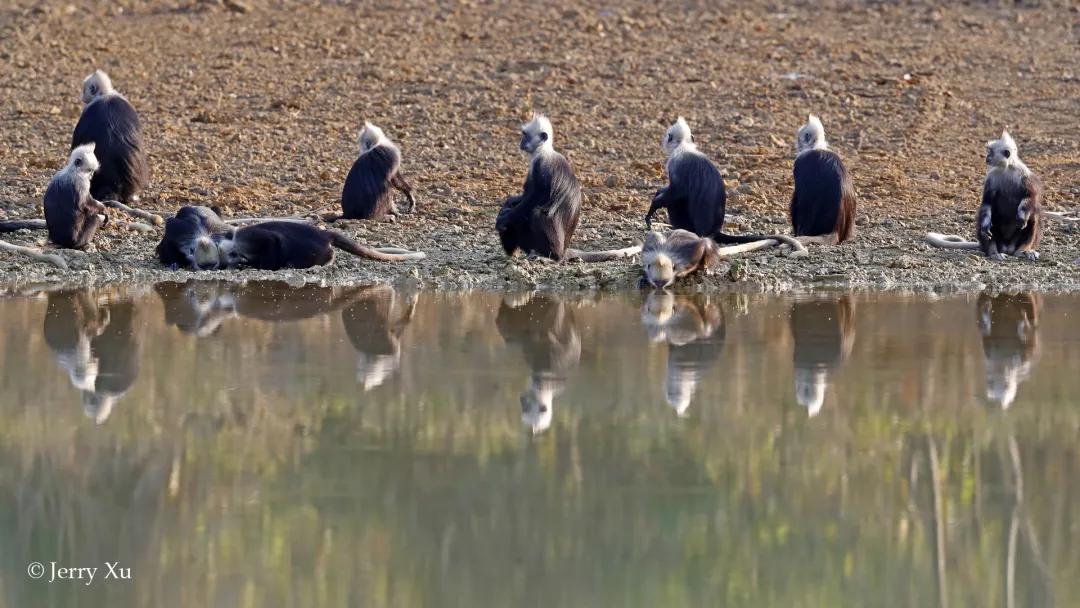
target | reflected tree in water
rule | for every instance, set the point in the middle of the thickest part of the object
(694, 330)
(543, 327)
(823, 331)
(1009, 324)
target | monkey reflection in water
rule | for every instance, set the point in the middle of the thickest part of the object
(1009, 324)
(374, 322)
(693, 328)
(545, 330)
(824, 332)
(96, 340)
(199, 308)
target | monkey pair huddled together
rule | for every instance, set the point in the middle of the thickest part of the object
(107, 167)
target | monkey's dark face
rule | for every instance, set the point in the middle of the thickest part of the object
(530, 142)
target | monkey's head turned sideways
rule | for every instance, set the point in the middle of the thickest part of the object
(677, 135)
(82, 160)
(1002, 153)
(537, 136)
(96, 85)
(370, 136)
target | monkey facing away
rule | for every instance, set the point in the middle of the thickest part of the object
(72, 215)
(667, 258)
(367, 193)
(695, 197)
(110, 122)
(1009, 218)
(823, 201)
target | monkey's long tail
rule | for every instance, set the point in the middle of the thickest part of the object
(750, 246)
(602, 256)
(139, 213)
(950, 241)
(389, 254)
(1062, 215)
(798, 250)
(13, 225)
(35, 254)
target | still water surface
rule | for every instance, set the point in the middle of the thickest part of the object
(270, 446)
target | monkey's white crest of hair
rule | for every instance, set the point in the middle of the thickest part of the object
(810, 385)
(370, 136)
(678, 134)
(96, 85)
(540, 124)
(811, 136)
(84, 154)
(997, 148)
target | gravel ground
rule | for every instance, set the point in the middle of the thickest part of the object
(254, 107)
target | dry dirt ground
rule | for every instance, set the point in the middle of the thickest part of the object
(254, 106)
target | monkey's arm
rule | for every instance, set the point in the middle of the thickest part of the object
(398, 181)
(660, 201)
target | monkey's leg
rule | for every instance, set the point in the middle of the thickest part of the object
(993, 253)
(34, 254)
(88, 228)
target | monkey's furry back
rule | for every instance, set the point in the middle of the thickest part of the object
(366, 194)
(112, 124)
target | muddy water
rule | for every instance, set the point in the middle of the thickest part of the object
(268, 446)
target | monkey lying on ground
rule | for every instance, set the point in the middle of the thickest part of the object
(543, 218)
(367, 193)
(695, 197)
(1008, 222)
(282, 244)
(197, 238)
(823, 201)
(191, 238)
(681, 252)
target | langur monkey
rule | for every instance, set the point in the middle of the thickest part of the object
(542, 219)
(823, 201)
(1009, 218)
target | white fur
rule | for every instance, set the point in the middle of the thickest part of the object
(371, 137)
(811, 136)
(539, 124)
(659, 269)
(1002, 165)
(96, 86)
(679, 389)
(678, 138)
(810, 385)
(82, 161)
